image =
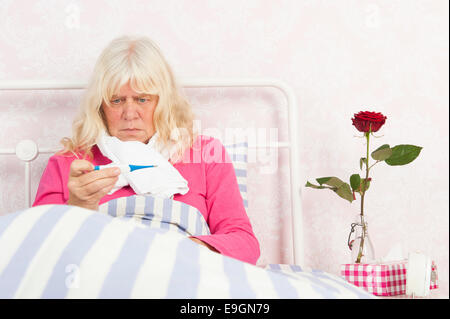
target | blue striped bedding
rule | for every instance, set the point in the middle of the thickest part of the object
(158, 212)
(60, 251)
(238, 153)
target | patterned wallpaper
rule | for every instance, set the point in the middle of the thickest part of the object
(340, 57)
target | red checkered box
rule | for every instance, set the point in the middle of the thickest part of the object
(387, 279)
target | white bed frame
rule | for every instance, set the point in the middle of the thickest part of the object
(27, 150)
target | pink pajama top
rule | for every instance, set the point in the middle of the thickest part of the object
(213, 190)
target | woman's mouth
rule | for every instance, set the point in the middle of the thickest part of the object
(131, 130)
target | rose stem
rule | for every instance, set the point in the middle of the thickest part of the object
(361, 246)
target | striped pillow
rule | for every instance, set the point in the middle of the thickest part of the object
(238, 155)
(158, 212)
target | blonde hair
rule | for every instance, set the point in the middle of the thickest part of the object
(137, 60)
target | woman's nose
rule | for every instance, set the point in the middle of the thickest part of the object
(130, 110)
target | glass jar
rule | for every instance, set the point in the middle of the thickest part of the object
(362, 250)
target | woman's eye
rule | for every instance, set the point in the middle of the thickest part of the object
(116, 101)
(143, 100)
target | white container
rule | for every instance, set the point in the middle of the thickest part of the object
(418, 275)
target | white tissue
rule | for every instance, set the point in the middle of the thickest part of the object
(394, 254)
(163, 180)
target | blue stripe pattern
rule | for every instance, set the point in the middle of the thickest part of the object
(167, 213)
(327, 291)
(296, 268)
(235, 152)
(241, 172)
(185, 276)
(112, 208)
(122, 275)
(358, 291)
(184, 271)
(238, 157)
(198, 226)
(321, 287)
(184, 218)
(281, 284)
(12, 275)
(87, 234)
(243, 188)
(131, 206)
(148, 210)
(275, 266)
(236, 145)
(239, 285)
(7, 220)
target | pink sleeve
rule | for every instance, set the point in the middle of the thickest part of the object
(231, 231)
(51, 189)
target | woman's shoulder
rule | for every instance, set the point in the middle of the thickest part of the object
(61, 156)
(67, 157)
(60, 161)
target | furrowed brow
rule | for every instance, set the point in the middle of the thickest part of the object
(134, 96)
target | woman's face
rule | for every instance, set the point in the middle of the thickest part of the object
(130, 116)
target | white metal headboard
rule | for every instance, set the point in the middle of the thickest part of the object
(27, 150)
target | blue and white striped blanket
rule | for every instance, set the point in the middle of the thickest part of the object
(59, 251)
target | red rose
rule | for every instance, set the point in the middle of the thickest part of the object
(368, 121)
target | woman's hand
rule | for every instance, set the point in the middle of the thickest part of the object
(86, 186)
(198, 241)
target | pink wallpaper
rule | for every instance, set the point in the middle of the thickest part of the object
(339, 56)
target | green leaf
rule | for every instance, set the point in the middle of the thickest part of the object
(308, 184)
(362, 183)
(331, 181)
(403, 154)
(362, 160)
(345, 192)
(355, 181)
(322, 180)
(382, 147)
(382, 153)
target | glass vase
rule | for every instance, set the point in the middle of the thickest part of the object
(362, 250)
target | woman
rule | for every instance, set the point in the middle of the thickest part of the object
(133, 96)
